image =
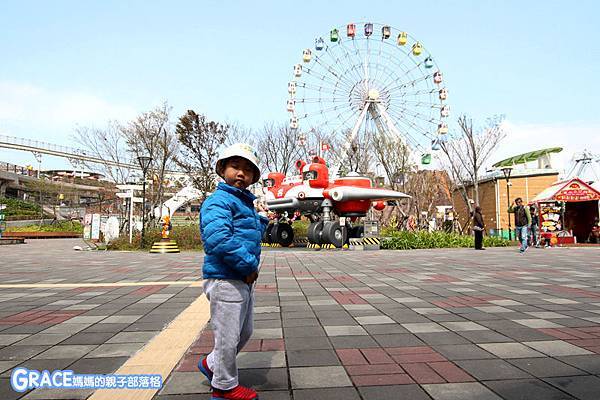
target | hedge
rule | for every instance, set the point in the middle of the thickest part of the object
(405, 240)
(187, 238)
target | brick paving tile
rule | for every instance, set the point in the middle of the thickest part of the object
(546, 367)
(450, 372)
(10, 353)
(7, 365)
(262, 359)
(510, 350)
(409, 391)
(308, 358)
(460, 391)
(436, 315)
(436, 338)
(189, 363)
(527, 389)
(345, 393)
(374, 369)
(557, 348)
(409, 350)
(184, 383)
(317, 343)
(381, 380)
(581, 387)
(345, 342)
(418, 358)
(272, 345)
(252, 345)
(351, 357)
(491, 369)
(6, 391)
(318, 377)
(422, 373)
(377, 356)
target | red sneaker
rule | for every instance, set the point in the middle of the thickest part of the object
(237, 393)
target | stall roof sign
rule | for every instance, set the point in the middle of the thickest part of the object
(526, 157)
(572, 190)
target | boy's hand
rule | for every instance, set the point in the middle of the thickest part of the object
(251, 278)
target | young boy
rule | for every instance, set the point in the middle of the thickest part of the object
(231, 231)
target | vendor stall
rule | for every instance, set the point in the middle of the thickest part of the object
(568, 211)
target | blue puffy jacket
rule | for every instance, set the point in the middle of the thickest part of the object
(231, 231)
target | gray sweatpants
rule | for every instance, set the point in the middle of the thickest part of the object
(231, 316)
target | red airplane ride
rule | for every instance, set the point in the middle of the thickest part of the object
(325, 202)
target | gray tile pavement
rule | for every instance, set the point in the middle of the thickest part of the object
(434, 325)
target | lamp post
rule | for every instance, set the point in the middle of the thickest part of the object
(507, 170)
(144, 162)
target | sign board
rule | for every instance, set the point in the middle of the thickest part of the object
(95, 227)
(87, 226)
(576, 192)
(371, 228)
(111, 229)
(129, 187)
(129, 195)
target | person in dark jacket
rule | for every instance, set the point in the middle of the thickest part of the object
(231, 231)
(522, 222)
(478, 228)
(534, 235)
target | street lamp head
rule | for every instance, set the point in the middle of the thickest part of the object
(507, 171)
(144, 162)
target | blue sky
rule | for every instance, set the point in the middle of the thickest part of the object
(66, 63)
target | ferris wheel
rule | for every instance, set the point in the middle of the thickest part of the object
(369, 76)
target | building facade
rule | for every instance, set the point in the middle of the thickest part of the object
(493, 195)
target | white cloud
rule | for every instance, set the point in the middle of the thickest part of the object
(27, 107)
(572, 137)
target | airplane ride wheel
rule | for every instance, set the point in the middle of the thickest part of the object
(267, 235)
(314, 232)
(282, 234)
(333, 234)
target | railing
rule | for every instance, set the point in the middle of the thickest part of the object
(40, 145)
(16, 169)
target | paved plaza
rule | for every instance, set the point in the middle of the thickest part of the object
(451, 324)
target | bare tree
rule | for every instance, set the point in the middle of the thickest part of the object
(279, 147)
(238, 133)
(393, 154)
(200, 140)
(360, 156)
(109, 145)
(318, 142)
(151, 134)
(467, 153)
(426, 189)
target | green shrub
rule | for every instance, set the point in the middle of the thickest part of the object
(21, 208)
(405, 240)
(57, 226)
(300, 228)
(495, 241)
(187, 238)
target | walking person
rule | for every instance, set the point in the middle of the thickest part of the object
(478, 228)
(522, 222)
(231, 231)
(535, 227)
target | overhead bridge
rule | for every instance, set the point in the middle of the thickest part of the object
(35, 146)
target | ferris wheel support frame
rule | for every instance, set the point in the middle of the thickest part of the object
(335, 170)
(377, 111)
